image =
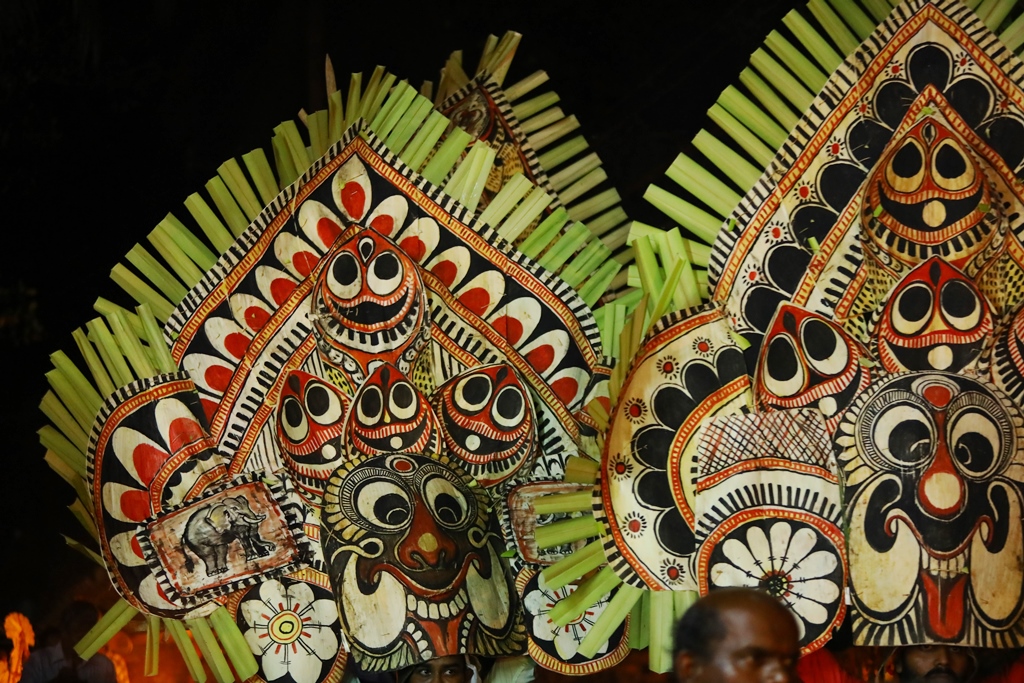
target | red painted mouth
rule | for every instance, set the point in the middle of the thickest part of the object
(944, 603)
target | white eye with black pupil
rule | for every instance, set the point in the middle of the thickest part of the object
(370, 406)
(385, 274)
(960, 305)
(951, 169)
(912, 310)
(825, 350)
(293, 420)
(322, 404)
(473, 393)
(384, 504)
(344, 277)
(905, 171)
(509, 408)
(783, 374)
(447, 503)
(403, 402)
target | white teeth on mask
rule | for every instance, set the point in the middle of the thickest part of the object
(489, 597)
(437, 610)
(944, 569)
(410, 602)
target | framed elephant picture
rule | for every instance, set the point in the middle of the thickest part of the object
(227, 539)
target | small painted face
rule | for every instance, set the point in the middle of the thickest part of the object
(809, 361)
(935, 664)
(369, 302)
(928, 194)
(389, 415)
(309, 428)
(935, 319)
(487, 420)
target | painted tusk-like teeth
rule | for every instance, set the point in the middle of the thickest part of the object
(443, 609)
(411, 602)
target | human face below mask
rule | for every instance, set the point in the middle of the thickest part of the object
(935, 664)
(440, 670)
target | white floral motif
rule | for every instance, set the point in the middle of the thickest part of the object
(567, 639)
(783, 564)
(290, 631)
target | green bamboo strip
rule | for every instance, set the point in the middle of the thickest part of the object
(583, 211)
(772, 103)
(283, 163)
(687, 294)
(65, 422)
(698, 181)
(608, 220)
(573, 566)
(83, 550)
(666, 295)
(639, 629)
(425, 140)
(639, 328)
(807, 72)
(674, 246)
(109, 352)
(1013, 36)
(140, 291)
(92, 361)
(409, 124)
(697, 253)
(156, 273)
(262, 175)
(616, 239)
(296, 148)
(489, 45)
(510, 195)
(355, 87)
(130, 346)
(162, 355)
(743, 174)
(682, 601)
(335, 117)
(567, 531)
(372, 106)
(615, 612)
(585, 263)
(878, 9)
(702, 224)
(393, 110)
(812, 41)
(579, 470)
(187, 649)
(834, 26)
(54, 441)
(116, 618)
(444, 159)
(501, 59)
(177, 259)
(702, 282)
(662, 618)
(227, 206)
(544, 233)
(782, 80)
(527, 212)
(365, 101)
(555, 131)
(998, 12)
(105, 308)
(571, 240)
(542, 120)
(633, 277)
(234, 643)
(562, 153)
(66, 390)
(576, 501)
(84, 389)
(751, 116)
(583, 185)
(599, 282)
(585, 595)
(746, 139)
(526, 86)
(535, 105)
(574, 172)
(319, 132)
(198, 252)
(854, 17)
(479, 173)
(647, 264)
(657, 236)
(81, 514)
(457, 182)
(151, 666)
(207, 643)
(231, 173)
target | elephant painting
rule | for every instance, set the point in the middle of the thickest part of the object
(212, 529)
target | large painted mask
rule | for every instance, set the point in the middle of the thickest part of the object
(411, 554)
(934, 506)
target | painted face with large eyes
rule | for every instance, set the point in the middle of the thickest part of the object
(935, 319)
(934, 506)
(487, 421)
(809, 361)
(389, 414)
(411, 556)
(928, 196)
(369, 304)
(310, 418)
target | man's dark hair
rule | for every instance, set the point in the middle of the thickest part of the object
(701, 626)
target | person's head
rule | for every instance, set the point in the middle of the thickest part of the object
(736, 635)
(76, 620)
(935, 664)
(451, 669)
